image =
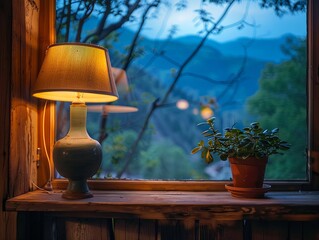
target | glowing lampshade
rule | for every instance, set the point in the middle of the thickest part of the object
(72, 70)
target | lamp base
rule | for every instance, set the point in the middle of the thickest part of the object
(77, 157)
(77, 190)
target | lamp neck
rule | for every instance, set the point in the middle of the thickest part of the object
(78, 112)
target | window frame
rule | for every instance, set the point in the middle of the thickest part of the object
(48, 125)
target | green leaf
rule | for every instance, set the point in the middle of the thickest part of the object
(204, 151)
(196, 149)
(209, 158)
(275, 130)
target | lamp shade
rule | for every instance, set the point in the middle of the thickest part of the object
(106, 109)
(120, 79)
(74, 70)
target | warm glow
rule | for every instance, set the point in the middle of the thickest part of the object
(69, 96)
(72, 68)
(206, 112)
(195, 111)
(182, 104)
(105, 109)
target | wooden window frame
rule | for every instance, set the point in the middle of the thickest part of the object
(48, 17)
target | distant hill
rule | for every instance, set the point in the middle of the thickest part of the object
(216, 62)
(267, 49)
(220, 70)
(213, 72)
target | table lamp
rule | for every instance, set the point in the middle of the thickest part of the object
(77, 73)
(122, 86)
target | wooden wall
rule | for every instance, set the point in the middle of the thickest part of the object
(5, 85)
(19, 54)
(71, 228)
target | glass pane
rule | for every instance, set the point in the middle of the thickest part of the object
(186, 61)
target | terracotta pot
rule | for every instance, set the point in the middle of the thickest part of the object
(249, 172)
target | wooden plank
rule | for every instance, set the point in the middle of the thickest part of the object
(120, 229)
(86, 229)
(229, 230)
(23, 132)
(7, 220)
(148, 230)
(28, 226)
(295, 230)
(46, 121)
(176, 205)
(269, 230)
(160, 198)
(59, 225)
(126, 229)
(177, 229)
(182, 185)
(310, 230)
(53, 228)
(220, 230)
(206, 229)
(18, 118)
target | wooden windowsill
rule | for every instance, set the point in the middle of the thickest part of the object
(297, 206)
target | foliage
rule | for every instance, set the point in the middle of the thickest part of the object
(114, 150)
(280, 7)
(251, 141)
(282, 98)
(163, 161)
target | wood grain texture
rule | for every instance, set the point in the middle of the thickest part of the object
(19, 34)
(295, 206)
(278, 230)
(220, 230)
(177, 229)
(148, 229)
(46, 112)
(270, 230)
(7, 226)
(134, 229)
(178, 185)
(126, 229)
(85, 229)
(23, 133)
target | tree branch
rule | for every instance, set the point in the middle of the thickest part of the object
(102, 32)
(129, 57)
(157, 103)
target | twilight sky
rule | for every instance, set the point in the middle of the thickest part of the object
(267, 24)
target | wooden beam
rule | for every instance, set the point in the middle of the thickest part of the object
(7, 227)
(46, 110)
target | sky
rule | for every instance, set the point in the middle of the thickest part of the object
(267, 24)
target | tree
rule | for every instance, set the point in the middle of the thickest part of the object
(110, 16)
(283, 86)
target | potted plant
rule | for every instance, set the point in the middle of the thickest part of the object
(247, 150)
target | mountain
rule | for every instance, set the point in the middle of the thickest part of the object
(213, 68)
(267, 49)
(211, 71)
(220, 70)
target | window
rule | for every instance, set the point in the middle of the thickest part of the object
(185, 61)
